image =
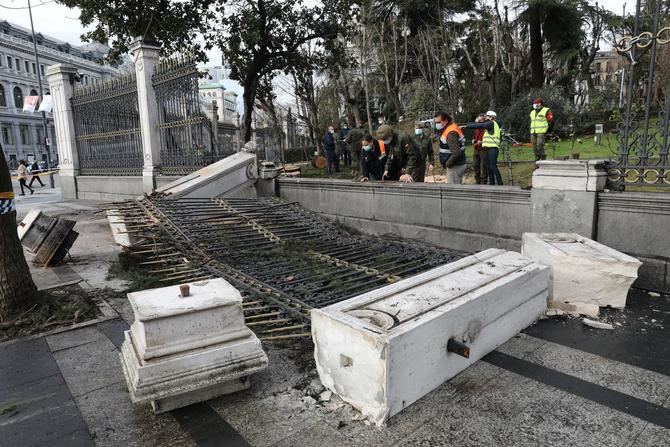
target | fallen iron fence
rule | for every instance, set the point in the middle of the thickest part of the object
(644, 130)
(186, 134)
(107, 127)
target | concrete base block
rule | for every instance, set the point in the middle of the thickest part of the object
(385, 349)
(119, 229)
(584, 273)
(570, 175)
(556, 211)
(185, 350)
(201, 395)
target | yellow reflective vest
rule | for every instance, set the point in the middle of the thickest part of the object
(492, 139)
(538, 121)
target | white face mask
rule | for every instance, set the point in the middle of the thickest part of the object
(418, 131)
(367, 148)
(388, 141)
(331, 130)
(536, 106)
(439, 126)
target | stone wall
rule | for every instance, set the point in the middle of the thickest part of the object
(472, 218)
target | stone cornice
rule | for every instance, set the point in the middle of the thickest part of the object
(651, 203)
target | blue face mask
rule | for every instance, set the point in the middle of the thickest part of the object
(418, 131)
(387, 141)
(438, 126)
(367, 148)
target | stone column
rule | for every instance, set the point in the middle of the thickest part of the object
(145, 56)
(212, 110)
(565, 195)
(61, 86)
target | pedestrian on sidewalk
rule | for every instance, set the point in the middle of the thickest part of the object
(22, 171)
(34, 170)
(330, 148)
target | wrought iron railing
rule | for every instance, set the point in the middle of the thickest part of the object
(107, 127)
(185, 132)
(644, 139)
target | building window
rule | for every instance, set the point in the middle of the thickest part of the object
(3, 99)
(34, 68)
(7, 134)
(9, 62)
(33, 92)
(27, 65)
(42, 69)
(18, 98)
(24, 131)
(40, 135)
(18, 64)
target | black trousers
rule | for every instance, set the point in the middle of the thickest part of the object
(22, 182)
(35, 178)
(333, 161)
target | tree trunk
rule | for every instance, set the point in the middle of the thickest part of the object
(536, 55)
(17, 289)
(249, 98)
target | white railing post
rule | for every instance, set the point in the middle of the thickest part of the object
(61, 85)
(145, 56)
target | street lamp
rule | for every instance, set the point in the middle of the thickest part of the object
(39, 83)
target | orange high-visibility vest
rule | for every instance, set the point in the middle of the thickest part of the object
(382, 147)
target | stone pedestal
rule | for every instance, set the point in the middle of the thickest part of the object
(180, 351)
(385, 349)
(564, 196)
(585, 274)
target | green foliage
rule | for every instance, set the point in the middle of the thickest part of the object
(515, 118)
(422, 98)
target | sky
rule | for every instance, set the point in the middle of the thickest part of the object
(63, 23)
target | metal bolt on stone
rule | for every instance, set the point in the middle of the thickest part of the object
(185, 290)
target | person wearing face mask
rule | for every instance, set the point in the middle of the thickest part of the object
(490, 144)
(353, 140)
(342, 143)
(369, 157)
(330, 148)
(541, 123)
(425, 146)
(402, 155)
(452, 147)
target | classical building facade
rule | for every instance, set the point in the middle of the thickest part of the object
(21, 132)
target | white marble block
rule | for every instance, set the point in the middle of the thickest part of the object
(385, 349)
(570, 175)
(584, 273)
(180, 351)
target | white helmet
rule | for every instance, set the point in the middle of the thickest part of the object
(491, 113)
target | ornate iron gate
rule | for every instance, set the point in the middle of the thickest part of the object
(185, 131)
(107, 127)
(643, 133)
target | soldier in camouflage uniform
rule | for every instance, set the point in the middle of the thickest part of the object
(425, 144)
(402, 161)
(353, 141)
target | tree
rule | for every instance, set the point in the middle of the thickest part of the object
(17, 289)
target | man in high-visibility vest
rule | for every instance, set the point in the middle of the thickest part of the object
(490, 145)
(452, 147)
(541, 123)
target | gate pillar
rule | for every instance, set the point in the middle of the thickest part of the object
(61, 79)
(145, 56)
(565, 195)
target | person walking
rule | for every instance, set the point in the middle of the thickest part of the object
(490, 144)
(401, 154)
(342, 143)
(34, 170)
(452, 147)
(22, 172)
(369, 156)
(330, 148)
(479, 154)
(425, 146)
(541, 123)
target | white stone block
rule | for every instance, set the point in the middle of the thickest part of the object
(584, 273)
(119, 229)
(570, 175)
(28, 222)
(385, 349)
(185, 350)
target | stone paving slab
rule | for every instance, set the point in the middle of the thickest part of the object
(71, 339)
(24, 362)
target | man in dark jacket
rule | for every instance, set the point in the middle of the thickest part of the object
(402, 155)
(34, 170)
(425, 145)
(330, 148)
(342, 144)
(353, 140)
(369, 157)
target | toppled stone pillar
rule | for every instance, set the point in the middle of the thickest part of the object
(585, 274)
(385, 349)
(180, 351)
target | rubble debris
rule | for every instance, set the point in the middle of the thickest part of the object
(596, 324)
(49, 239)
(315, 388)
(325, 396)
(583, 271)
(383, 350)
(177, 352)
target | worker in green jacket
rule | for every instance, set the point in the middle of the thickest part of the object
(401, 155)
(425, 145)
(353, 141)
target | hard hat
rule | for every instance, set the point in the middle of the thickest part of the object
(491, 113)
